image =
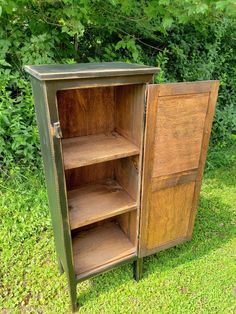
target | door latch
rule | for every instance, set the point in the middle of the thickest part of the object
(57, 130)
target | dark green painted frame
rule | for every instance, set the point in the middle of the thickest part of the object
(47, 114)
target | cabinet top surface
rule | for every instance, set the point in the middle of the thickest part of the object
(87, 70)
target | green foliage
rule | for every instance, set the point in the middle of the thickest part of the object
(197, 277)
(18, 131)
(217, 159)
(189, 40)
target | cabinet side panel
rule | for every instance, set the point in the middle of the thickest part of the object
(47, 148)
(127, 175)
(128, 223)
(129, 112)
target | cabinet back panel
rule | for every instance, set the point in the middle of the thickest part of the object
(89, 174)
(86, 111)
(127, 222)
(124, 171)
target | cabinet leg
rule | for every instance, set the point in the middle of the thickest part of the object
(60, 267)
(138, 269)
(73, 297)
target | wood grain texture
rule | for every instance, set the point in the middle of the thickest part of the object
(169, 214)
(163, 182)
(127, 173)
(205, 143)
(95, 202)
(129, 122)
(148, 160)
(100, 246)
(178, 133)
(185, 88)
(128, 222)
(106, 267)
(178, 124)
(165, 246)
(86, 111)
(129, 112)
(78, 177)
(87, 150)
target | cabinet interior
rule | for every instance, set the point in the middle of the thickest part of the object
(102, 244)
(101, 145)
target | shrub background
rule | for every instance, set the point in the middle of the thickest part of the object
(189, 40)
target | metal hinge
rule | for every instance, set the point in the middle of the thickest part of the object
(57, 130)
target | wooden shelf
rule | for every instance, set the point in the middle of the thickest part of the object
(99, 247)
(87, 150)
(95, 202)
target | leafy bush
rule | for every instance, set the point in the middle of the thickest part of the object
(189, 40)
(18, 131)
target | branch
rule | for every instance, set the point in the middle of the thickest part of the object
(139, 40)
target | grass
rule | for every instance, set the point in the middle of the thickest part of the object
(197, 277)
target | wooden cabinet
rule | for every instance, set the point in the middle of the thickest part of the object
(123, 161)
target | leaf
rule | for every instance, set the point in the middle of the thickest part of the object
(202, 8)
(4, 63)
(167, 22)
(221, 4)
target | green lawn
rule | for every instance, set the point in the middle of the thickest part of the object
(197, 277)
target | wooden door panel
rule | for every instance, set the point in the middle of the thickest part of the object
(178, 133)
(170, 221)
(178, 125)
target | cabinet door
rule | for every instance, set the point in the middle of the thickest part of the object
(178, 124)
